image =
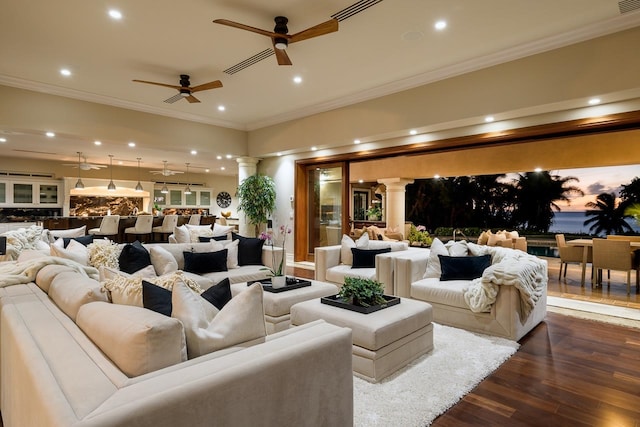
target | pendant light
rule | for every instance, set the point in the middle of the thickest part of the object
(139, 186)
(79, 184)
(164, 189)
(111, 186)
(187, 189)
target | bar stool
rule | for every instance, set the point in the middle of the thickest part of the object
(194, 219)
(108, 226)
(142, 227)
(169, 222)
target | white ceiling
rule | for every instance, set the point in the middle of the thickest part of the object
(389, 47)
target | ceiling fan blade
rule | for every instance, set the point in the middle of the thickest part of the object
(245, 27)
(174, 98)
(281, 55)
(319, 30)
(159, 84)
(206, 86)
(192, 99)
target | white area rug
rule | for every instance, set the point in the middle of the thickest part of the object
(417, 394)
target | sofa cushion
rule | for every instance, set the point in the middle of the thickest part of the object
(223, 231)
(249, 250)
(85, 240)
(104, 252)
(366, 258)
(232, 251)
(463, 267)
(337, 273)
(218, 295)
(204, 239)
(205, 262)
(46, 274)
(433, 262)
(162, 260)
(383, 244)
(70, 291)
(346, 256)
(138, 341)
(72, 232)
(457, 248)
(133, 257)
(433, 290)
(74, 251)
(247, 273)
(208, 329)
(156, 298)
(181, 234)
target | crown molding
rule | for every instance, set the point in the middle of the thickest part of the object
(599, 29)
(114, 102)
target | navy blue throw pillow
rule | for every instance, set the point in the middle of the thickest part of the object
(85, 240)
(366, 258)
(205, 239)
(249, 250)
(463, 267)
(133, 257)
(219, 294)
(205, 262)
(156, 298)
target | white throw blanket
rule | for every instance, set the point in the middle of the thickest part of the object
(515, 268)
(15, 273)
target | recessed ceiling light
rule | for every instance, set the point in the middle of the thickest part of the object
(206, 170)
(65, 72)
(489, 119)
(537, 170)
(3, 139)
(297, 80)
(115, 14)
(219, 157)
(314, 148)
(229, 156)
(594, 101)
(119, 162)
(194, 152)
(440, 25)
(279, 154)
(132, 144)
(356, 141)
(436, 176)
(222, 168)
(360, 181)
(221, 108)
(413, 132)
(97, 143)
(50, 134)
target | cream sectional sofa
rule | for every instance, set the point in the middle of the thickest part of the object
(53, 374)
(506, 317)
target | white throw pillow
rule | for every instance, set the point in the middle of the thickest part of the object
(207, 330)
(104, 252)
(221, 230)
(232, 255)
(181, 234)
(457, 248)
(196, 231)
(346, 256)
(433, 262)
(72, 232)
(74, 251)
(162, 260)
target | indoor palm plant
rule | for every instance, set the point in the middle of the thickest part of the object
(257, 199)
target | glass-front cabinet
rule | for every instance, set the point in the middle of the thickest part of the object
(22, 193)
(177, 198)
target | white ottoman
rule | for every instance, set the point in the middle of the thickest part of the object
(277, 306)
(383, 341)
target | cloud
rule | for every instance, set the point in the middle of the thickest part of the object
(597, 188)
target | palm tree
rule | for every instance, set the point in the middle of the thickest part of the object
(607, 216)
(535, 197)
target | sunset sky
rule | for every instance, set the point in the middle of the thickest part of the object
(594, 181)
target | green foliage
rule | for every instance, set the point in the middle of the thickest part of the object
(374, 210)
(467, 231)
(606, 216)
(257, 198)
(419, 235)
(634, 211)
(363, 292)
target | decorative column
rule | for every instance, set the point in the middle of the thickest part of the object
(395, 201)
(247, 166)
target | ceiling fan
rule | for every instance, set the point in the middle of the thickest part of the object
(165, 171)
(84, 165)
(280, 37)
(185, 90)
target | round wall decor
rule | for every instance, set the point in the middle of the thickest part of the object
(223, 199)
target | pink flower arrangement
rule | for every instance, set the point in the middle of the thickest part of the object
(270, 239)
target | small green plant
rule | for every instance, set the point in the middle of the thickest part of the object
(374, 211)
(419, 235)
(634, 211)
(362, 292)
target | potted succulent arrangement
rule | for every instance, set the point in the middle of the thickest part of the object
(361, 295)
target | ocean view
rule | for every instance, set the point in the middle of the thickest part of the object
(573, 222)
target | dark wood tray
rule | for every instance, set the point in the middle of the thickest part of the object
(292, 283)
(338, 302)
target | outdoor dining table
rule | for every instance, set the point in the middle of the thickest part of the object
(586, 244)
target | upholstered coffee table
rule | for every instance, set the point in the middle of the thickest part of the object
(383, 341)
(277, 306)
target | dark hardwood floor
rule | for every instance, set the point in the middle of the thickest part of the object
(567, 372)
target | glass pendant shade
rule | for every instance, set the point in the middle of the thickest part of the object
(164, 189)
(139, 186)
(79, 184)
(111, 186)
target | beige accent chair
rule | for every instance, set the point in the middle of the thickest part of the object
(613, 254)
(169, 222)
(143, 227)
(194, 219)
(570, 254)
(108, 226)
